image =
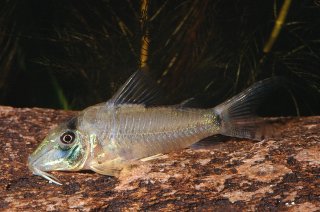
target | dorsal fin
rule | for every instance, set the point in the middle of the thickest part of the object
(140, 88)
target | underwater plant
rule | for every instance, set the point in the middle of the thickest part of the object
(72, 54)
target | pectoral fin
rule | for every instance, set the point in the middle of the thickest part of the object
(110, 167)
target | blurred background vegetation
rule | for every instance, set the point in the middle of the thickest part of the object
(72, 54)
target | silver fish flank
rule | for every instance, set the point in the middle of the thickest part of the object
(131, 126)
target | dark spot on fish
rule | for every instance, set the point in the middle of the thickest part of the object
(73, 155)
(72, 123)
(218, 120)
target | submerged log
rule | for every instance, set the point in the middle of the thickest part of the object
(222, 174)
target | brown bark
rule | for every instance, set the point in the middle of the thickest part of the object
(233, 174)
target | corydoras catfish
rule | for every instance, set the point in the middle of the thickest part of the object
(106, 137)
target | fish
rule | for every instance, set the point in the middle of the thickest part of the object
(134, 125)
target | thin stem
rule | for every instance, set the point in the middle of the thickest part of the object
(145, 37)
(278, 26)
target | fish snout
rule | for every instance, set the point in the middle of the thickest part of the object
(32, 164)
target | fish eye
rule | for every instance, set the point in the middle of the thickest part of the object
(67, 138)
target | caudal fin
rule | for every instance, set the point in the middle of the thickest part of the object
(237, 115)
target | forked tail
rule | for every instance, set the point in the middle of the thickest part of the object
(237, 115)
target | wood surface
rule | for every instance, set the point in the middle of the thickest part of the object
(223, 174)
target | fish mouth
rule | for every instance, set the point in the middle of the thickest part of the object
(37, 171)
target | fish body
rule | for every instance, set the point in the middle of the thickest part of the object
(107, 136)
(132, 132)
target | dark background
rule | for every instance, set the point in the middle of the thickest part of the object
(72, 54)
